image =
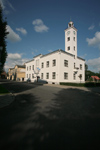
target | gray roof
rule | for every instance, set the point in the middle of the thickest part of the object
(59, 50)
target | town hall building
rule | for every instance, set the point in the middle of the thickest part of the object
(58, 66)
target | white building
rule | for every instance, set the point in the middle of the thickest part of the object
(59, 66)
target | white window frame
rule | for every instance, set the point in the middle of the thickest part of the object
(65, 75)
(41, 75)
(66, 63)
(47, 64)
(53, 75)
(54, 62)
(47, 75)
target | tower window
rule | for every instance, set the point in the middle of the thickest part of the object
(74, 48)
(74, 38)
(68, 39)
(68, 48)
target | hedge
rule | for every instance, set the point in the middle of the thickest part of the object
(88, 84)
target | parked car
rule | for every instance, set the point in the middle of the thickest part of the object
(28, 80)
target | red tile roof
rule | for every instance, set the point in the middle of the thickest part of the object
(95, 77)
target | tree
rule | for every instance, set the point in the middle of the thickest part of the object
(3, 36)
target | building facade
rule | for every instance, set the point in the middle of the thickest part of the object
(17, 73)
(58, 66)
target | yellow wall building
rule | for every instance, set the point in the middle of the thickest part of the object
(17, 73)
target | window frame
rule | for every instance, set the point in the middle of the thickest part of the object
(53, 75)
(54, 62)
(65, 76)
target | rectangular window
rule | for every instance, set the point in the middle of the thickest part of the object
(27, 75)
(47, 64)
(68, 48)
(66, 63)
(53, 75)
(32, 75)
(74, 66)
(54, 62)
(41, 75)
(42, 65)
(74, 38)
(33, 67)
(74, 48)
(27, 68)
(80, 76)
(80, 66)
(74, 76)
(68, 39)
(66, 75)
(47, 75)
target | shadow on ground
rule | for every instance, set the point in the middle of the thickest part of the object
(71, 122)
(18, 87)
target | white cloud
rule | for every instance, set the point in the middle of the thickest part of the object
(94, 64)
(39, 26)
(5, 4)
(95, 41)
(22, 30)
(14, 59)
(12, 36)
(2, 2)
(91, 27)
(15, 56)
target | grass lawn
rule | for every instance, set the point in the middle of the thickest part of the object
(3, 90)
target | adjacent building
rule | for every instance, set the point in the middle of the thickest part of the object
(58, 66)
(17, 73)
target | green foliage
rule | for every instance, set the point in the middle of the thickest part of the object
(3, 36)
(89, 73)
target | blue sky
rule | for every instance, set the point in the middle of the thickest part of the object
(37, 26)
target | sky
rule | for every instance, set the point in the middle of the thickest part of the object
(37, 27)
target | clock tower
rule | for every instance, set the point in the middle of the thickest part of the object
(71, 39)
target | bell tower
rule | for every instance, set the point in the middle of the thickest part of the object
(71, 39)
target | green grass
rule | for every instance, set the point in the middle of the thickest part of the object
(3, 90)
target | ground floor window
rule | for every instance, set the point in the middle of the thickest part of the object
(74, 76)
(53, 75)
(47, 75)
(66, 75)
(32, 75)
(41, 75)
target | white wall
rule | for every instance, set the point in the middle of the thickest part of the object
(59, 56)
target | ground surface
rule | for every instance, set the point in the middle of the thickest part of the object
(45, 118)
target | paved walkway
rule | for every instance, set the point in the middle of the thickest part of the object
(7, 99)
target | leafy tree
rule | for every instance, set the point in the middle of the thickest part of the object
(3, 36)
